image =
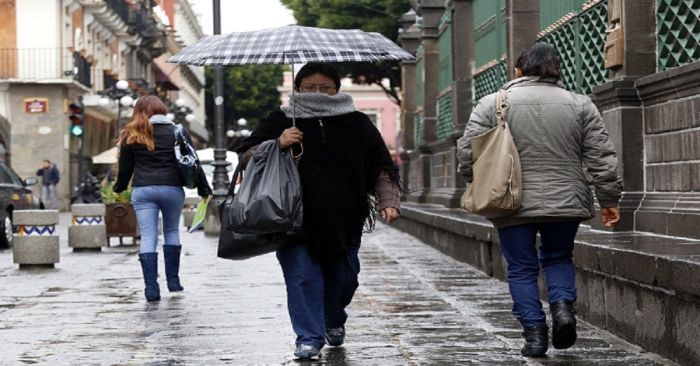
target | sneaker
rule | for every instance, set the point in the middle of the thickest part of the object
(307, 352)
(335, 336)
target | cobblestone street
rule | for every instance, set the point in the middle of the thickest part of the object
(415, 306)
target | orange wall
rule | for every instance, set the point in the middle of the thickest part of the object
(8, 25)
(169, 9)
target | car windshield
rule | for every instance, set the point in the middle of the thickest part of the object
(8, 176)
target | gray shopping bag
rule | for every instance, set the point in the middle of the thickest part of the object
(269, 198)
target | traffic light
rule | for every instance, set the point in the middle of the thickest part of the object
(77, 114)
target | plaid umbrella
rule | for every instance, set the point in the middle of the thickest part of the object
(289, 45)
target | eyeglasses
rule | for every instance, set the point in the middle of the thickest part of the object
(323, 88)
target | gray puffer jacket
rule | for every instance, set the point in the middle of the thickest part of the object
(560, 136)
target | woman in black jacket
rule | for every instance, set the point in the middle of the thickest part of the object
(146, 151)
(344, 166)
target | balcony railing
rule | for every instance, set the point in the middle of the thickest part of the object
(44, 63)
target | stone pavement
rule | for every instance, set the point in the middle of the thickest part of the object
(415, 306)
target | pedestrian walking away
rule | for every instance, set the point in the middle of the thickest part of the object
(345, 165)
(560, 138)
(146, 152)
(50, 176)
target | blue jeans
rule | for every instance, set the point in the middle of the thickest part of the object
(518, 244)
(317, 293)
(148, 201)
(48, 196)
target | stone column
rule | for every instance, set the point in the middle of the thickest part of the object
(462, 61)
(522, 27)
(410, 40)
(431, 11)
(630, 52)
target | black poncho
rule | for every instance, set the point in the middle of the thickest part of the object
(343, 156)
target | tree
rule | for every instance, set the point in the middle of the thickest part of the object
(369, 15)
(250, 92)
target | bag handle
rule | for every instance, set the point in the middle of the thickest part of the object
(232, 184)
(502, 108)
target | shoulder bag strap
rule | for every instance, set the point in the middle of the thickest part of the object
(502, 107)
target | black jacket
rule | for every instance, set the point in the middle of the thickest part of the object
(157, 167)
(343, 156)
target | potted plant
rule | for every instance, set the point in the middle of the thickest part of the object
(120, 217)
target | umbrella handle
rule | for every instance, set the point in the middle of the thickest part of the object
(298, 156)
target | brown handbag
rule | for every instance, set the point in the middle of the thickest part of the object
(496, 190)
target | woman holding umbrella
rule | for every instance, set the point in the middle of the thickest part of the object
(346, 176)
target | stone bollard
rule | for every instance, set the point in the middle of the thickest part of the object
(36, 241)
(87, 230)
(189, 209)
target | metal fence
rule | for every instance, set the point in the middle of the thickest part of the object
(44, 63)
(490, 79)
(678, 29)
(445, 120)
(580, 43)
(419, 140)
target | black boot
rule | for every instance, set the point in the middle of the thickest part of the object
(536, 341)
(172, 266)
(149, 266)
(563, 324)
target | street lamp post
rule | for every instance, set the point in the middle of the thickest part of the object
(120, 93)
(219, 163)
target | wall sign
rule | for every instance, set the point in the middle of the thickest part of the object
(36, 105)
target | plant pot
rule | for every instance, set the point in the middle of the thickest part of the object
(120, 221)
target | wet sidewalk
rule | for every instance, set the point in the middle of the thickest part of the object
(415, 306)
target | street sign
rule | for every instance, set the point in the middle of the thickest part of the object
(36, 105)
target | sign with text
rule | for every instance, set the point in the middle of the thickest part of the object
(36, 105)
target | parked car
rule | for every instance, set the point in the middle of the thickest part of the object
(14, 195)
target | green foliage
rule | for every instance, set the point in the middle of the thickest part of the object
(250, 92)
(369, 15)
(109, 196)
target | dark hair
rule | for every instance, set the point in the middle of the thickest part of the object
(317, 68)
(520, 62)
(541, 60)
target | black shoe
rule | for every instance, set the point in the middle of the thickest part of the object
(335, 336)
(307, 352)
(536, 341)
(563, 324)
(171, 253)
(149, 266)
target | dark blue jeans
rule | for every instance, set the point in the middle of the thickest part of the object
(518, 244)
(317, 293)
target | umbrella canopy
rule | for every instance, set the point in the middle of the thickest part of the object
(290, 45)
(106, 157)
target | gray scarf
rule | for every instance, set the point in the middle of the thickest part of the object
(310, 105)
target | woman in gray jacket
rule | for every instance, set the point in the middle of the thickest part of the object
(559, 136)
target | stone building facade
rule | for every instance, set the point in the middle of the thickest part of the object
(639, 62)
(54, 52)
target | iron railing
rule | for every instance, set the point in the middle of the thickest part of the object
(44, 63)
(445, 121)
(678, 30)
(490, 79)
(580, 41)
(418, 138)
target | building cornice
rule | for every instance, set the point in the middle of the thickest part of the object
(107, 17)
(191, 17)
